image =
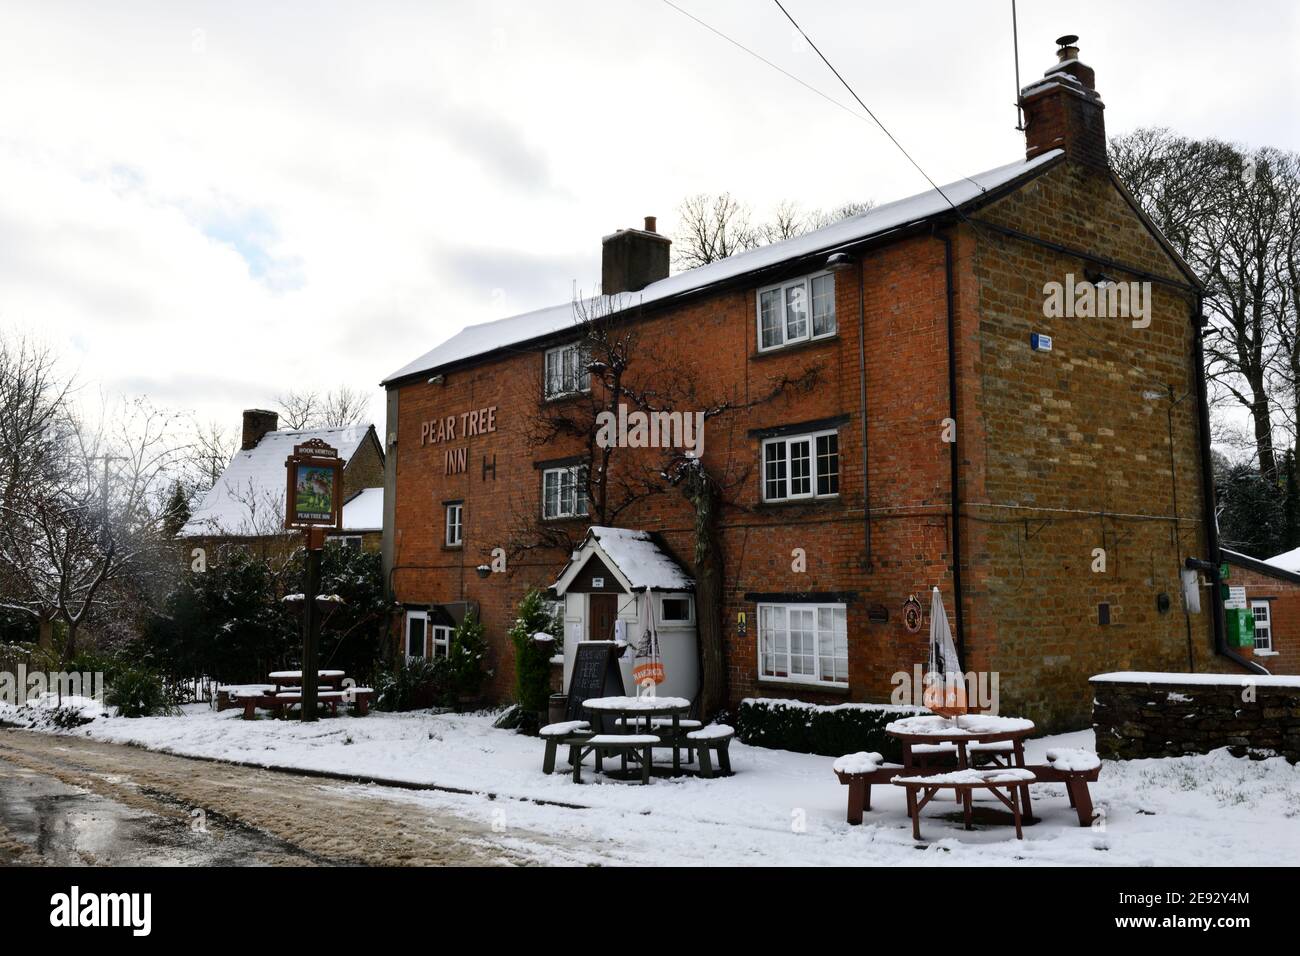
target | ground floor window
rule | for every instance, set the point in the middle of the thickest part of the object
(417, 623)
(1263, 625)
(440, 641)
(805, 643)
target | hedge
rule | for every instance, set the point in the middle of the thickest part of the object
(829, 730)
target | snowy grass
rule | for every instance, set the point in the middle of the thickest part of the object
(779, 808)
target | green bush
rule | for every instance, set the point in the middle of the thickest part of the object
(413, 685)
(467, 658)
(533, 659)
(831, 731)
(136, 692)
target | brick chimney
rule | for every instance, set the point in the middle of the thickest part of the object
(257, 422)
(633, 258)
(1063, 110)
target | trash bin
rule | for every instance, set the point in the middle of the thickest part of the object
(559, 707)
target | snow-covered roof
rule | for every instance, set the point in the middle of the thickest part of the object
(365, 511)
(633, 556)
(489, 336)
(248, 498)
(1287, 561)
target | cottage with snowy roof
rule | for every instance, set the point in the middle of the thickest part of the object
(246, 503)
(1048, 474)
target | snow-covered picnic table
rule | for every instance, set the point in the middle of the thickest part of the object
(633, 714)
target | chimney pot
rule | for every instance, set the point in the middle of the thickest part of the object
(257, 422)
(649, 223)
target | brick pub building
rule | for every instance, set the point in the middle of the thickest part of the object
(941, 443)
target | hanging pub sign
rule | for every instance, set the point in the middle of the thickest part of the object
(913, 615)
(314, 486)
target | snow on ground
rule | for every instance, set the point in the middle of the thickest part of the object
(779, 808)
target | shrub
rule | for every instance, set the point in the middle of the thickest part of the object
(533, 658)
(136, 692)
(467, 658)
(412, 685)
(830, 731)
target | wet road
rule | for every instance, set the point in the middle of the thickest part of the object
(71, 801)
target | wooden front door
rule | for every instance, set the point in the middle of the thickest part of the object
(602, 609)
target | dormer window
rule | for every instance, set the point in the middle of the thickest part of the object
(796, 311)
(566, 371)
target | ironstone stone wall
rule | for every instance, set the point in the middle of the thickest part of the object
(1157, 715)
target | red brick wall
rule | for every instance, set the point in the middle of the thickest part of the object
(1285, 612)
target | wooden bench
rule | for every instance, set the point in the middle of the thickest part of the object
(1076, 769)
(571, 732)
(921, 789)
(715, 737)
(621, 744)
(859, 771)
(359, 697)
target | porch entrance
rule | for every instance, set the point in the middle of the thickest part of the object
(602, 611)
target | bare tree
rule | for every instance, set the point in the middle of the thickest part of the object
(622, 480)
(710, 228)
(308, 408)
(1225, 211)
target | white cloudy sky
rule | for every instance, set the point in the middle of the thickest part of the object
(207, 202)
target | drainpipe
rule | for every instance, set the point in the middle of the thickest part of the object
(954, 465)
(1207, 500)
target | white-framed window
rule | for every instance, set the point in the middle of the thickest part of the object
(796, 311)
(440, 641)
(564, 491)
(454, 537)
(1263, 625)
(566, 370)
(417, 625)
(804, 643)
(676, 609)
(801, 466)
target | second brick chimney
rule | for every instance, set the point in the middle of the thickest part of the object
(1064, 111)
(631, 259)
(257, 422)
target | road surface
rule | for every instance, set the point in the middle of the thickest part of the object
(72, 801)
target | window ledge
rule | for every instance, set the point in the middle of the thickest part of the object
(1261, 653)
(810, 687)
(454, 547)
(822, 502)
(796, 347)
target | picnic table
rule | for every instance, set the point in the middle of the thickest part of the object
(998, 740)
(638, 717)
(286, 690)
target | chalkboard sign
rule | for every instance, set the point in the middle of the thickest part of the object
(595, 674)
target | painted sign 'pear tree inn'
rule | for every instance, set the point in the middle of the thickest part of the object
(994, 388)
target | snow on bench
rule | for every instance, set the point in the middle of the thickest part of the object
(861, 762)
(629, 740)
(1001, 775)
(1072, 760)
(972, 724)
(564, 728)
(711, 732)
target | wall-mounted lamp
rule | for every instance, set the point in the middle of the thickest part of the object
(839, 262)
(483, 570)
(437, 379)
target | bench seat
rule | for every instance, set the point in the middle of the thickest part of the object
(921, 788)
(715, 737)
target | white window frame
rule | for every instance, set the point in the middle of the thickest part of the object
(813, 475)
(579, 504)
(774, 674)
(782, 289)
(1266, 621)
(572, 375)
(348, 541)
(439, 641)
(406, 635)
(677, 622)
(456, 509)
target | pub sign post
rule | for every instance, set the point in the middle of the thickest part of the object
(313, 501)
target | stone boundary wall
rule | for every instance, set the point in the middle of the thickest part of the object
(1168, 715)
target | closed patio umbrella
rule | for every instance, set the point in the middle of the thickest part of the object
(945, 691)
(648, 664)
